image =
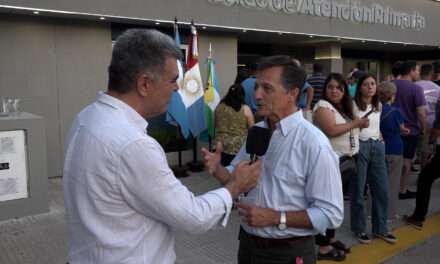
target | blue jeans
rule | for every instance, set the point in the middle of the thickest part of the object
(371, 170)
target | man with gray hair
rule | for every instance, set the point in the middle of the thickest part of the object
(123, 202)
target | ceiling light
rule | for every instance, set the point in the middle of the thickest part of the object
(157, 23)
(102, 18)
(36, 12)
(204, 27)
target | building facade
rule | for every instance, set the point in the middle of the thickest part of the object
(54, 53)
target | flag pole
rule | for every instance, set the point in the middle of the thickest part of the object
(180, 171)
(209, 58)
(195, 165)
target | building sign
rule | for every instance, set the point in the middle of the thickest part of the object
(345, 10)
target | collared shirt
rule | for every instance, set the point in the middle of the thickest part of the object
(300, 171)
(123, 202)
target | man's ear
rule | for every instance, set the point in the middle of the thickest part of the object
(294, 94)
(144, 84)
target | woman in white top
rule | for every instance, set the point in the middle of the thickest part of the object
(333, 114)
(371, 168)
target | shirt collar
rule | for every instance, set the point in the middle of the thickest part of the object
(133, 116)
(290, 122)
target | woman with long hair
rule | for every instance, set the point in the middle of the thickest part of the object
(333, 114)
(371, 168)
(232, 120)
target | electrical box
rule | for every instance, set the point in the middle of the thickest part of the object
(23, 166)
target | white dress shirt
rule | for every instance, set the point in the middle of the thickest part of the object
(300, 171)
(123, 201)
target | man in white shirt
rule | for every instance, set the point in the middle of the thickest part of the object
(300, 192)
(123, 202)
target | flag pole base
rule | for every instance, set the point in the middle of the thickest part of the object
(196, 166)
(180, 171)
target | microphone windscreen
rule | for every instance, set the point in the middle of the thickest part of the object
(257, 141)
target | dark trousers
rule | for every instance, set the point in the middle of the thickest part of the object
(252, 251)
(226, 159)
(322, 240)
(424, 183)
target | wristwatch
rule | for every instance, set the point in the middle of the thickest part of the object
(283, 221)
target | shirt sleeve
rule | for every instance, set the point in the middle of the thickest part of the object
(324, 190)
(150, 187)
(419, 96)
(241, 155)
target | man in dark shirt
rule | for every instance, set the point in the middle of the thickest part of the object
(317, 82)
(426, 178)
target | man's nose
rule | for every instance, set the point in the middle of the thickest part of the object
(258, 93)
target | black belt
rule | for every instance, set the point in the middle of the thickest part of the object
(263, 242)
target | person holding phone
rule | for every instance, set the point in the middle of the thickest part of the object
(371, 168)
(333, 114)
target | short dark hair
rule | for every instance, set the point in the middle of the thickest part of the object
(292, 75)
(235, 97)
(242, 74)
(317, 67)
(137, 51)
(396, 70)
(358, 96)
(426, 69)
(407, 67)
(436, 65)
(346, 105)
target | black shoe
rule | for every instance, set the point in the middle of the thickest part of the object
(388, 237)
(407, 195)
(412, 222)
(363, 238)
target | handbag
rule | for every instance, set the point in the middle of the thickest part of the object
(347, 166)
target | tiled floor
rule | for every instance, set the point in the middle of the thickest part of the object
(42, 238)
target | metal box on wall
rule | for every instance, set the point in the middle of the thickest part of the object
(13, 165)
(23, 166)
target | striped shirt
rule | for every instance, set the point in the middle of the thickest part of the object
(317, 82)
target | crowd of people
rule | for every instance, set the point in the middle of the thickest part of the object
(330, 138)
(375, 129)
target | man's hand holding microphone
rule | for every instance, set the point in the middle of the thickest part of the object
(244, 177)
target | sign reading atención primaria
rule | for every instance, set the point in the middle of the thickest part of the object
(346, 10)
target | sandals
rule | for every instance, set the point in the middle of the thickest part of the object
(333, 255)
(340, 246)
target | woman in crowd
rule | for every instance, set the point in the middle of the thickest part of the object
(371, 168)
(333, 114)
(232, 120)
